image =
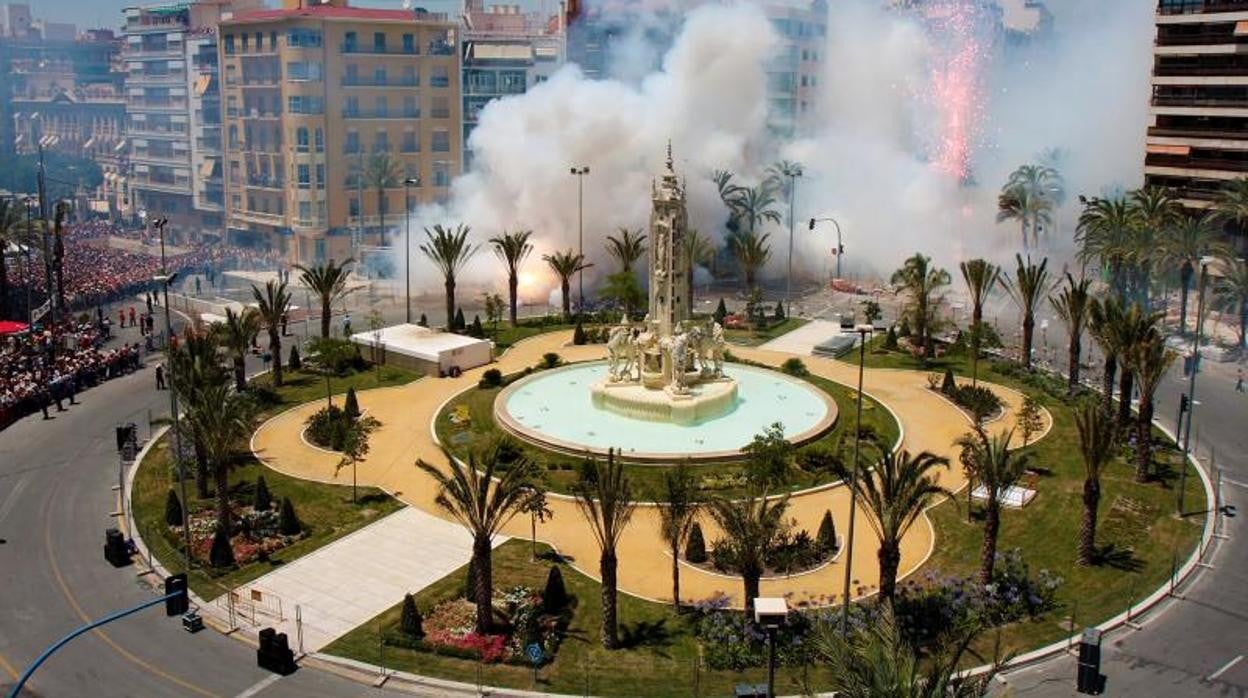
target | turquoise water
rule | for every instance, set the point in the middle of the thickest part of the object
(558, 405)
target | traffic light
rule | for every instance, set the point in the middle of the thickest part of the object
(1182, 403)
(178, 601)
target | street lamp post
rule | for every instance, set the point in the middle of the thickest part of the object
(580, 172)
(165, 278)
(792, 171)
(1191, 382)
(407, 242)
(863, 331)
(840, 248)
(771, 613)
(30, 312)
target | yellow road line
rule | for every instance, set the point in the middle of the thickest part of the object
(8, 668)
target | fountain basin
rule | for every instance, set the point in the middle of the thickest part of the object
(703, 401)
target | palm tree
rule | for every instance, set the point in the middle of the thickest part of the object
(1097, 437)
(193, 366)
(1034, 190)
(605, 498)
(238, 333)
(449, 250)
(382, 172)
(876, 660)
(754, 206)
(1189, 241)
(1232, 289)
(895, 493)
(1028, 288)
(221, 419)
(483, 495)
(752, 252)
(997, 469)
(1014, 203)
(981, 277)
(329, 283)
(1104, 234)
(1232, 203)
(751, 526)
(1104, 318)
(627, 248)
(1158, 211)
(679, 511)
(1136, 328)
(1150, 359)
(565, 264)
(1073, 305)
(512, 249)
(922, 282)
(698, 250)
(273, 303)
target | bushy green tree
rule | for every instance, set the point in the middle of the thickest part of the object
(778, 313)
(695, 546)
(890, 339)
(476, 330)
(287, 521)
(263, 500)
(173, 509)
(768, 457)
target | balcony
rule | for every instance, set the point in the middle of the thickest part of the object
(392, 82)
(139, 104)
(1189, 163)
(135, 129)
(171, 186)
(1205, 102)
(253, 114)
(261, 217)
(1202, 38)
(360, 49)
(261, 82)
(439, 81)
(270, 183)
(1186, 71)
(156, 78)
(172, 159)
(1195, 7)
(380, 114)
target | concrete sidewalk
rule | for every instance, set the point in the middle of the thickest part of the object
(348, 582)
(804, 339)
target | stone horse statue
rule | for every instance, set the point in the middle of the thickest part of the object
(677, 347)
(621, 353)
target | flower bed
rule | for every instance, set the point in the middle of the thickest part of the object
(257, 534)
(794, 551)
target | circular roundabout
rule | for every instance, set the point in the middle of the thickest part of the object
(559, 410)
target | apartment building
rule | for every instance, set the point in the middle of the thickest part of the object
(793, 74)
(328, 110)
(173, 112)
(1198, 115)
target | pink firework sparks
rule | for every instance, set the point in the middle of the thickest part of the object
(955, 27)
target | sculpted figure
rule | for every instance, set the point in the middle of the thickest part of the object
(621, 352)
(717, 348)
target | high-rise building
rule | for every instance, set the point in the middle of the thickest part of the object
(173, 112)
(328, 110)
(1198, 116)
(793, 74)
(17, 20)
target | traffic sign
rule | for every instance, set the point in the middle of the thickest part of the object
(535, 653)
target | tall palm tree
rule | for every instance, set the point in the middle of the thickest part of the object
(1104, 234)
(894, 494)
(329, 282)
(1039, 189)
(751, 527)
(1097, 437)
(1104, 319)
(698, 251)
(273, 303)
(1232, 289)
(1232, 203)
(449, 250)
(755, 206)
(482, 495)
(1191, 239)
(605, 498)
(996, 468)
(1015, 204)
(679, 511)
(1028, 288)
(1136, 328)
(193, 366)
(629, 247)
(238, 333)
(382, 172)
(1073, 305)
(981, 277)
(752, 252)
(1150, 359)
(1158, 211)
(566, 264)
(922, 283)
(222, 419)
(512, 249)
(727, 194)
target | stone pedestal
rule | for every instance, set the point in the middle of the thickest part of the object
(705, 400)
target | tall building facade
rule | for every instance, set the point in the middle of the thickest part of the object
(1198, 116)
(793, 74)
(328, 110)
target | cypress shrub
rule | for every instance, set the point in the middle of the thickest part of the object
(476, 330)
(555, 596)
(779, 312)
(458, 323)
(424, 321)
(287, 520)
(826, 538)
(263, 500)
(296, 362)
(578, 335)
(221, 555)
(721, 311)
(949, 386)
(351, 405)
(890, 339)
(173, 509)
(695, 546)
(412, 624)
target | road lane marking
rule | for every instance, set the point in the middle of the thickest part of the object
(77, 608)
(260, 686)
(4, 663)
(1237, 483)
(1225, 668)
(11, 499)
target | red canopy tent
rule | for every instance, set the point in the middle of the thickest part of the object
(12, 327)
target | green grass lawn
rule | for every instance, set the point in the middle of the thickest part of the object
(660, 657)
(561, 470)
(1137, 526)
(752, 338)
(326, 511)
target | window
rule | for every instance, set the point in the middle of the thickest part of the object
(349, 41)
(320, 176)
(306, 38)
(273, 41)
(411, 107)
(381, 106)
(303, 70)
(259, 41)
(229, 44)
(441, 141)
(353, 75)
(441, 175)
(411, 170)
(305, 212)
(409, 43)
(382, 143)
(379, 76)
(511, 82)
(441, 77)
(353, 207)
(233, 137)
(244, 36)
(305, 104)
(301, 139)
(353, 142)
(320, 140)
(440, 108)
(410, 77)
(352, 107)
(379, 42)
(411, 144)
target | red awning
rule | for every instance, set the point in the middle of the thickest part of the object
(11, 327)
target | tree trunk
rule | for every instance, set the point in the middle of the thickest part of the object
(201, 469)
(1023, 227)
(1126, 382)
(483, 583)
(610, 625)
(513, 284)
(992, 525)
(1185, 280)
(890, 558)
(221, 478)
(327, 312)
(1072, 358)
(751, 579)
(1107, 384)
(450, 304)
(1087, 529)
(676, 576)
(1243, 323)
(1144, 440)
(565, 289)
(1029, 330)
(240, 373)
(381, 212)
(275, 348)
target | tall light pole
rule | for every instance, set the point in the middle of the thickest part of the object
(863, 331)
(1191, 381)
(840, 248)
(580, 172)
(165, 278)
(407, 242)
(30, 279)
(792, 171)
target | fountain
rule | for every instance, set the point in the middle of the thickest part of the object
(663, 392)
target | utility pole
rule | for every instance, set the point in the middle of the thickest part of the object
(407, 242)
(580, 172)
(1191, 381)
(792, 171)
(47, 250)
(863, 331)
(159, 223)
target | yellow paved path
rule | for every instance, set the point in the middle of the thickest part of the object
(407, 413)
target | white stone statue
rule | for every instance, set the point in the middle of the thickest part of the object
(677, 357)
(717, 349)
(621, 353)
